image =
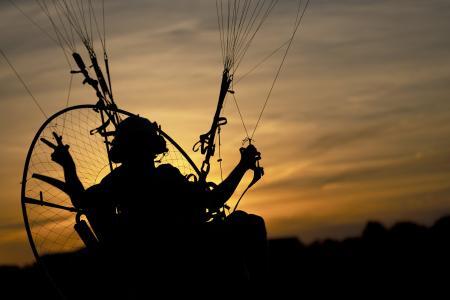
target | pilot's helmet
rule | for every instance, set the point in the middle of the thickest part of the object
(135, 138)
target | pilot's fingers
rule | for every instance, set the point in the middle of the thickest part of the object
(251, 147)
(258, 155)
(253, 151)
(50, 144)
(249, 150)
(58, 138)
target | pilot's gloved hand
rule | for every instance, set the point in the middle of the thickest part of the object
(61, 154)
(249, 157)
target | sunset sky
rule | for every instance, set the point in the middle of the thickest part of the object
(357, 127)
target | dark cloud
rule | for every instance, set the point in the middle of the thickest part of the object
(11, 226)
(330, 141)
(33, 223)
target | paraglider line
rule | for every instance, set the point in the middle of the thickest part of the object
(23, 83)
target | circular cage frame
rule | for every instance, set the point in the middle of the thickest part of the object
(32, 146)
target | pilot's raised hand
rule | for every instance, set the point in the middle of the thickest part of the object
(61, 154)
(249, 157)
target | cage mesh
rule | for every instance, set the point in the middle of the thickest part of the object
(52, 229)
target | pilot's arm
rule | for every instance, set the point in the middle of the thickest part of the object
(220, 195)
(61, 156)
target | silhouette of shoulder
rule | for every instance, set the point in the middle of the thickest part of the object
(92, 195)
(163, 173)
(167, 171)
(116, 174)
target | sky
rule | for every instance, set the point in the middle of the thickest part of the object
(356, 128)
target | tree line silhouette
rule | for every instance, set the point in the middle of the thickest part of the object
(402, 255)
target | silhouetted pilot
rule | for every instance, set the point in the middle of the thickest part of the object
(155, 217)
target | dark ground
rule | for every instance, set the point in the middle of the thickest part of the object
(406, 256)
